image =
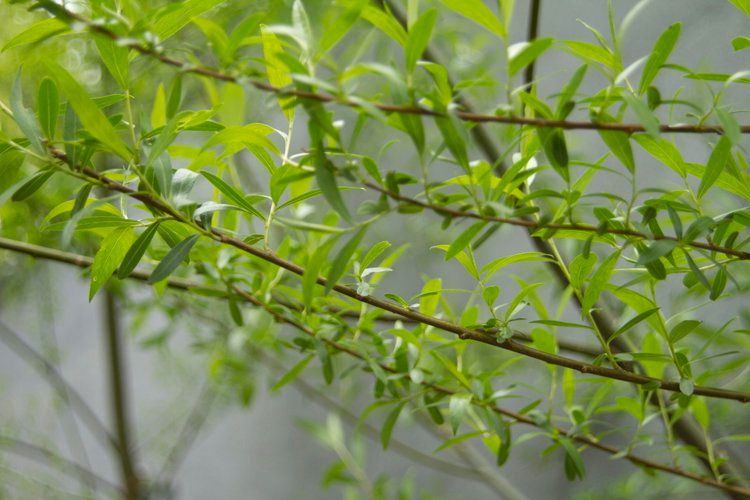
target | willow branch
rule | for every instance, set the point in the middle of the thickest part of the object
(52, 459)
(26, 352)
(343, 100)
(460, 331)
(280, 318)
(537, 226)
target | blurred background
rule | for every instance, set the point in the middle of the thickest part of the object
(264, 449)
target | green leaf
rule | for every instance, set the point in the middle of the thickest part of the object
(36, 33)
(115, 58)
(716, 163)
(312, 271)
(92, 118)
(683, 329)
(494, 266)
(326, 180)
(341, 261)
(574, 468)
(743, 5)
(664, 151)
(659, 55)
(385, 23)
(176, 16)
(278, 73)
(429, 298)
(525, 53)
(655, 251)
(338, 22)
(632, 323)
(720, 282)
(233, 194)
(456, 440)
(172, 260)
(48, 107)
(450, 129)
(591, 53)
(580, 268)
(32, 185)
(644, 114)
(740, 43)
(373, 253)
(136, 251)
(293, 373)
(389, 424)
(451, 367)
(478, 12)
(419, 37)
(463, 240)
(619, 143)
(24, 117)
(110, 254)
(598, 282)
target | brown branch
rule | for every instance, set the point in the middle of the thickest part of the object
(536, 226)
(179, 284)
(468, 116)
(461, 332)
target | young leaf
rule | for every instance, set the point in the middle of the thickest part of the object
(172, 260)
(389, 424)
(233, 194)
(659, 55)
(419, 37)
(341, 261)
(525, 53)
(25, 118)
(110, 254)
(716, 163)
(293, 373)
(115, 58)
(373, 253)
(136, 251)
(278, 73)
(598, 282)
(92, 118)
(478, 12)
(48, 107)
(464, 239)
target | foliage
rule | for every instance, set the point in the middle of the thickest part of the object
(250, 151)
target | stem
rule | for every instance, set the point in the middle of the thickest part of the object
(118, 394)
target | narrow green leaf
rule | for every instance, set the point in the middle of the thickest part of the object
(598, 282)
(36, 33)
(740, 43)
(24, 117)
(110, 254)
(619, 143)
(478, 12)
(232, 193)
(644, 114)
(326, 179)
(278, 73)
(92, 118)
(373, 253)
(293, 373)
(463, 240)
(716, 163)
(720, 282)
(419, 37)
(683, 329)
(48, 107)
(664, 151)
(312, 271)
(32, 185)
(632, 323)
(178, 15)
(136, 251)
(385, 23)
(389, 424)
(659, 55)
(115, 58)
(172, 260)
(525, 53)
(655, 251)
(341, 261)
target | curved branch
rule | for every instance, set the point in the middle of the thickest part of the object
(468, 116)
(534, 225)
(461, 332)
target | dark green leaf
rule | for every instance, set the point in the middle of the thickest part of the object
(136, 251)
(172, 260)
(659, 55)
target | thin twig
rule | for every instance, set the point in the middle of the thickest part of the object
(343, 100)
(50, 458)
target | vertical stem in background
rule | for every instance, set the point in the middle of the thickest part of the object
(532, 34)
(118, 396)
